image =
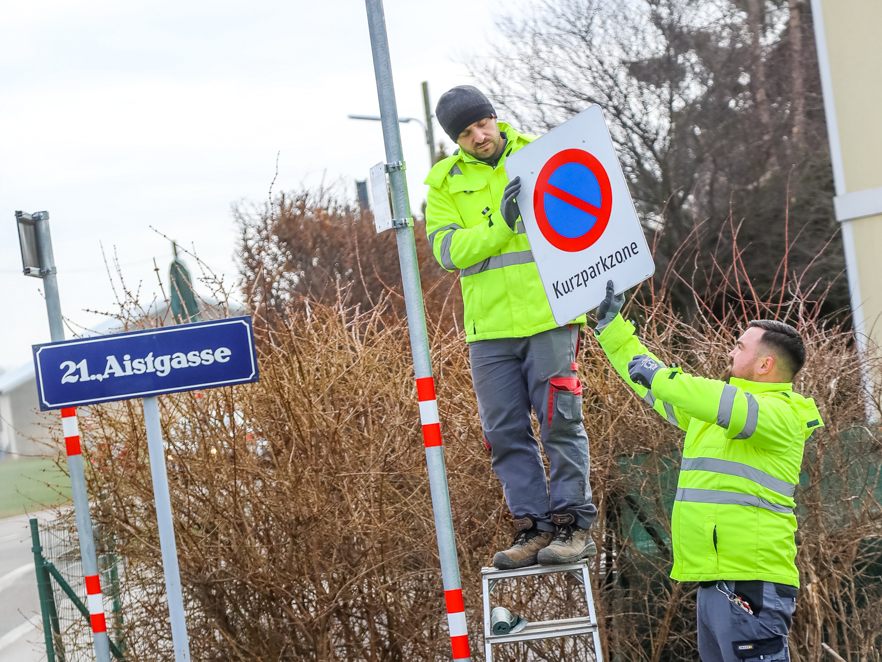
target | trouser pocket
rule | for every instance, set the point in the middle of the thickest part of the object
(564, 400)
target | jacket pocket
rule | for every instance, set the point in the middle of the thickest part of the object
(471, 198)
(710, 535)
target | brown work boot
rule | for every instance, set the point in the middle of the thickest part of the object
(526, 544)
(570, 543)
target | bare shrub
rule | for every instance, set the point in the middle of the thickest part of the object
(302, 508)
(312, 244)
(303, 517)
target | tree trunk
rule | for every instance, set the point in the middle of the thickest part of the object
(797, 57)
(756, 24)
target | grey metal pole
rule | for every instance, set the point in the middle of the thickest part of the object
(50, 280)
(416, 321)
(162, 500)
(74, 459)
(430, 131)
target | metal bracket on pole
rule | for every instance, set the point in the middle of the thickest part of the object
(406, 222)
(30, 243)
(382, 205)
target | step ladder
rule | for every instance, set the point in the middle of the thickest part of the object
(584, 625)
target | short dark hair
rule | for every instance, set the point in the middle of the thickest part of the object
(784, 340)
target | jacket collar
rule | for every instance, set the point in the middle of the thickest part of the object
(760, 387)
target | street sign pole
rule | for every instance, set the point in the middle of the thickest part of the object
(144, 364)
(47, 272)
(419, 343)
(167, 545)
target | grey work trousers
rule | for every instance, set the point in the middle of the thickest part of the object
(511, 376)
(728, 632)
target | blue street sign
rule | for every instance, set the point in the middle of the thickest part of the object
(146, 363)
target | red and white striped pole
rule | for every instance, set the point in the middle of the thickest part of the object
(95, 604)
(431, 423)
(94, 600)
(429, 417)
(419, 339)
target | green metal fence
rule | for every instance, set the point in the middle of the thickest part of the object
(66, 627)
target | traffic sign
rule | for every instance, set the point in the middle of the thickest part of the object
(142, 364)
(579, 216)
(572, 200)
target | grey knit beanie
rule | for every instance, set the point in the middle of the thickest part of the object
(459, 107)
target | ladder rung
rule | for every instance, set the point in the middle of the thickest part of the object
(494, 574)
(564, 627)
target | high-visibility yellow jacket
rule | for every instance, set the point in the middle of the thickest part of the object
(733, 512)
(501, 290)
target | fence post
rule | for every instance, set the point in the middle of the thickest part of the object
(109, 560)
(118, 629)
(44, 589)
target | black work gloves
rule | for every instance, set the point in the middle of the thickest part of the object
(609, 307)
(509, 206)
(642, 368)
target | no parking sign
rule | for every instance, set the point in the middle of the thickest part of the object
(579, 216)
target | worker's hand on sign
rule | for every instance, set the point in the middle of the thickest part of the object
(609, 307)
(509, 207)
(642, 368)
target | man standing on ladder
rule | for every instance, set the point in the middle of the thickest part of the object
(520, 358)
(733, 525)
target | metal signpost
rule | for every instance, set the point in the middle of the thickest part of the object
(38, 261)
(579, 216)
(402, 223)
(144, 364)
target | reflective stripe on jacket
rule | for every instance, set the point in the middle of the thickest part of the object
(733, 512)
(502, 294)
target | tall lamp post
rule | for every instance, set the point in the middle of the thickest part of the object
(427, 129)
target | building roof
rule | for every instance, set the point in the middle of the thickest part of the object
(15, 377)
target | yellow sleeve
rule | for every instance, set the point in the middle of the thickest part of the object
(455, 243)
(621, 344)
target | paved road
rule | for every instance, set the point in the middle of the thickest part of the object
(21, 637)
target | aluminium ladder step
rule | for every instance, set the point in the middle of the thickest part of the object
(544, 629)
(562, 627)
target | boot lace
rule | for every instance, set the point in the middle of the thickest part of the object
(564, 534)
(525, 536)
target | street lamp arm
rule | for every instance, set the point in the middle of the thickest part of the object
(377, 118)
(402, 120)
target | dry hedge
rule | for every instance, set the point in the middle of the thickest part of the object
(304, 521)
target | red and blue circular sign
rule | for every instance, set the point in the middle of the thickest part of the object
(572, 200)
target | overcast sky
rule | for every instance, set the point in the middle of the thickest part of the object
(119, 116)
